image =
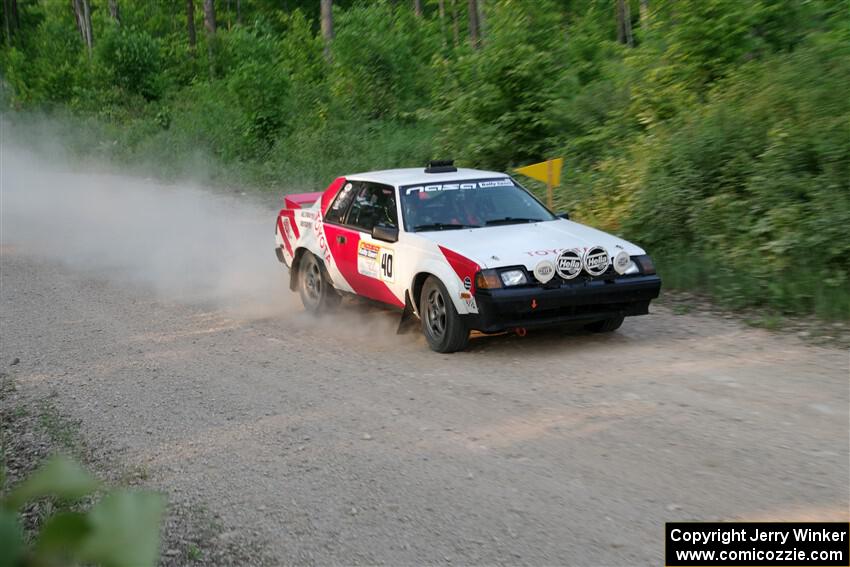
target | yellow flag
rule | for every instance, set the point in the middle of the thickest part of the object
(549, 172)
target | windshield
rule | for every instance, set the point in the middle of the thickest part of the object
(469, 204)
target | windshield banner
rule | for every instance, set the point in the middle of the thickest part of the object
(473, 184)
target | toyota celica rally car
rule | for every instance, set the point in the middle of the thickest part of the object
(463, 250)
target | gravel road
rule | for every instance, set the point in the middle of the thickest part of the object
(339, 442)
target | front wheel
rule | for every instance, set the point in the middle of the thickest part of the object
(605, 325)
(316, 293)
(443, 328)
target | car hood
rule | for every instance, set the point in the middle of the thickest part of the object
(526, 244)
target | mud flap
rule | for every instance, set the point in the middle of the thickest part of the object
(408, 318)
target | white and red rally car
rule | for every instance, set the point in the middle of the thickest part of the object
(463, 250)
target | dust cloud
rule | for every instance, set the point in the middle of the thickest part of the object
(186, 242)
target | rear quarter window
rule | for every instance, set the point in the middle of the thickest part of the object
(336, 212)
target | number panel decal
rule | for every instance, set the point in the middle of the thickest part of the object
(387, 265)
(375, 261)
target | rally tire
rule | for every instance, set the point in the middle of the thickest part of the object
(317, 294)
(605, 325)
(443, 328)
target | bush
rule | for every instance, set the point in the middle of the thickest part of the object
(131, 58)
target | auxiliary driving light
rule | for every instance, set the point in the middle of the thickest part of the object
(622, 261)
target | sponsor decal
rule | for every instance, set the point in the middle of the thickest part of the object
(485, 184)
(569, 264)
(545, 252)
(306, 224)
(467, 283)
(319, 232)
(287, 247)
(375, 261)
(544, 271)
(596, 260)
(308, 214)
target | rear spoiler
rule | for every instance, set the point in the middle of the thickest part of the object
(301, 200)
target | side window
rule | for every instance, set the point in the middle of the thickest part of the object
(374, 205)
(336, 212)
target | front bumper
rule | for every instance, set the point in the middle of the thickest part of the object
(585, 301)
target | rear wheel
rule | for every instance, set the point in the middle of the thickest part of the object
(605, 325)
(443, 328)
(316, 293)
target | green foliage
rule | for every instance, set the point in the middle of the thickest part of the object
(757, 180)
(131, 59)
(58, 477)
(719, 141)
(120, 530)
(498, 103)
(380, 60)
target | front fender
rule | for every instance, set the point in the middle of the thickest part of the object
(450, 279)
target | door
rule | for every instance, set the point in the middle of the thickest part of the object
(366, 264)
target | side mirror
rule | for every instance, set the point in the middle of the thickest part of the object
(565, 216)
(385, 233)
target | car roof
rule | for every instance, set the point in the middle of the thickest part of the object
(414, 175)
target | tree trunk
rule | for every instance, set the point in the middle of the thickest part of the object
(644, 15)
(417, 8)
(474, 31)
(624, 23)
(190, 24)
(209, 26)
(239, 12)
(114, 12)
(87, 18)
(209, 17)
(10, 19)
(482, 22)
(7, 21)
(82, 13)
(327, 26)
(441, 6)
(455, 24)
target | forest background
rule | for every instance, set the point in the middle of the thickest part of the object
(714, 133)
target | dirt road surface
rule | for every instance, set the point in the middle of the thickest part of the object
(339, 442)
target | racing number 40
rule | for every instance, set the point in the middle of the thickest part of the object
(387, 265)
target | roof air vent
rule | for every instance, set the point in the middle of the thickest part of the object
(441, 166)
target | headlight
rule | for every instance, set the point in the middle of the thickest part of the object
(513, 277)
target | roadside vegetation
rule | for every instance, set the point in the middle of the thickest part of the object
(54, 512)
(716, 133)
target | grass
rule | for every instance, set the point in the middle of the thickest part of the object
(64, 433)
